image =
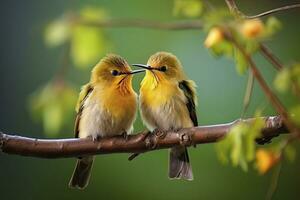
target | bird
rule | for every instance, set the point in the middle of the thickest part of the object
(168, 101)
(106, 107)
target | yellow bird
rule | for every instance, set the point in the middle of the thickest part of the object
(168, 102)
(106, 107)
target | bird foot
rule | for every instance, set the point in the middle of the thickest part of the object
(94, 138)
(125, 135)
(157, 132)
(134, 155)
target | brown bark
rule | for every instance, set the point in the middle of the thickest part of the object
(143, 142)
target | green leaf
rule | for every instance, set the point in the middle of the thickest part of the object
(232, 145)
(236, 134)
(290, 153)
(88, 43)
(273, 25)
(87, 46)
(251, 46)
(239, 144)
(57, 32)
(52, 118)
(217, 17)
(282, 81)
(53, 106)
(93, 14)
(240, 61)
(295, 114)
(295, 74)
(222, 48)
(250, 137)
(188, 8)
(222, 149)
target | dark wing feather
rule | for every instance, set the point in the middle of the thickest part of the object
(85, 92)
(189, 93)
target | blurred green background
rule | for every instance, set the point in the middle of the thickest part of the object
(27, 64)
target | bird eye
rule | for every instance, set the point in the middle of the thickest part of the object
(163, 69)
(114, 72)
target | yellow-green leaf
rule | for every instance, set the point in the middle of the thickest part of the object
(87, 46)
(295, 114)
(53, 105)
(57, 32)
(188, 8)
(88, 43)
(240, 62)
(273, 25)
(93, 14)
(290, 152)
(52, 118)
(282, 81)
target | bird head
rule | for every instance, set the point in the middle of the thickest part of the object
(113, 71)
(163, 67)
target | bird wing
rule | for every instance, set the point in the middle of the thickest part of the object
(188, 88)
(84, 93)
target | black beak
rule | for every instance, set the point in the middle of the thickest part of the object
(143, 66)
(137, 71)
(133, 72)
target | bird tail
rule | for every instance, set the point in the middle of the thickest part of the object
(179, 164)
(82, 173)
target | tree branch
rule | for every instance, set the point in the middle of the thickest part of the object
(139, 23)
(143, 142)
(234, 9)
(269, 12)
(267, 53)
(279, 107)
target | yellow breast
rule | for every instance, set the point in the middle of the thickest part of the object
(157, 94)
(120, 105)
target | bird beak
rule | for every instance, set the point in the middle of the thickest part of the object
(133, 72)
(143, 66)
(137, 71)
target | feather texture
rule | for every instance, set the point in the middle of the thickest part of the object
(106, 107)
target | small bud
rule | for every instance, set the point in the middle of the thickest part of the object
(214, 37)
(265, 160)
(252, 28)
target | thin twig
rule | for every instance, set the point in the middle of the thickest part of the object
(139, 23)
(143, 142)
(273, 11)
(235, 10)
(267, 53)
(248, 93)
(268, 92)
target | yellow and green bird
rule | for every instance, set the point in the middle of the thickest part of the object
(106, 107)
(168, 102)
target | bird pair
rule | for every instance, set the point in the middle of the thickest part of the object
(107, 107)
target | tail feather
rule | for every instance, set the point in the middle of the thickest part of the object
(82, 173)
(179, 164)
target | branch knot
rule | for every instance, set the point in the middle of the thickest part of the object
(185, 139)
(153, 137)
(158, 139)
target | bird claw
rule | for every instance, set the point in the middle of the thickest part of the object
(145, 133)
(157, 132)
(175, 129)
(95, 139)
(125, 135)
